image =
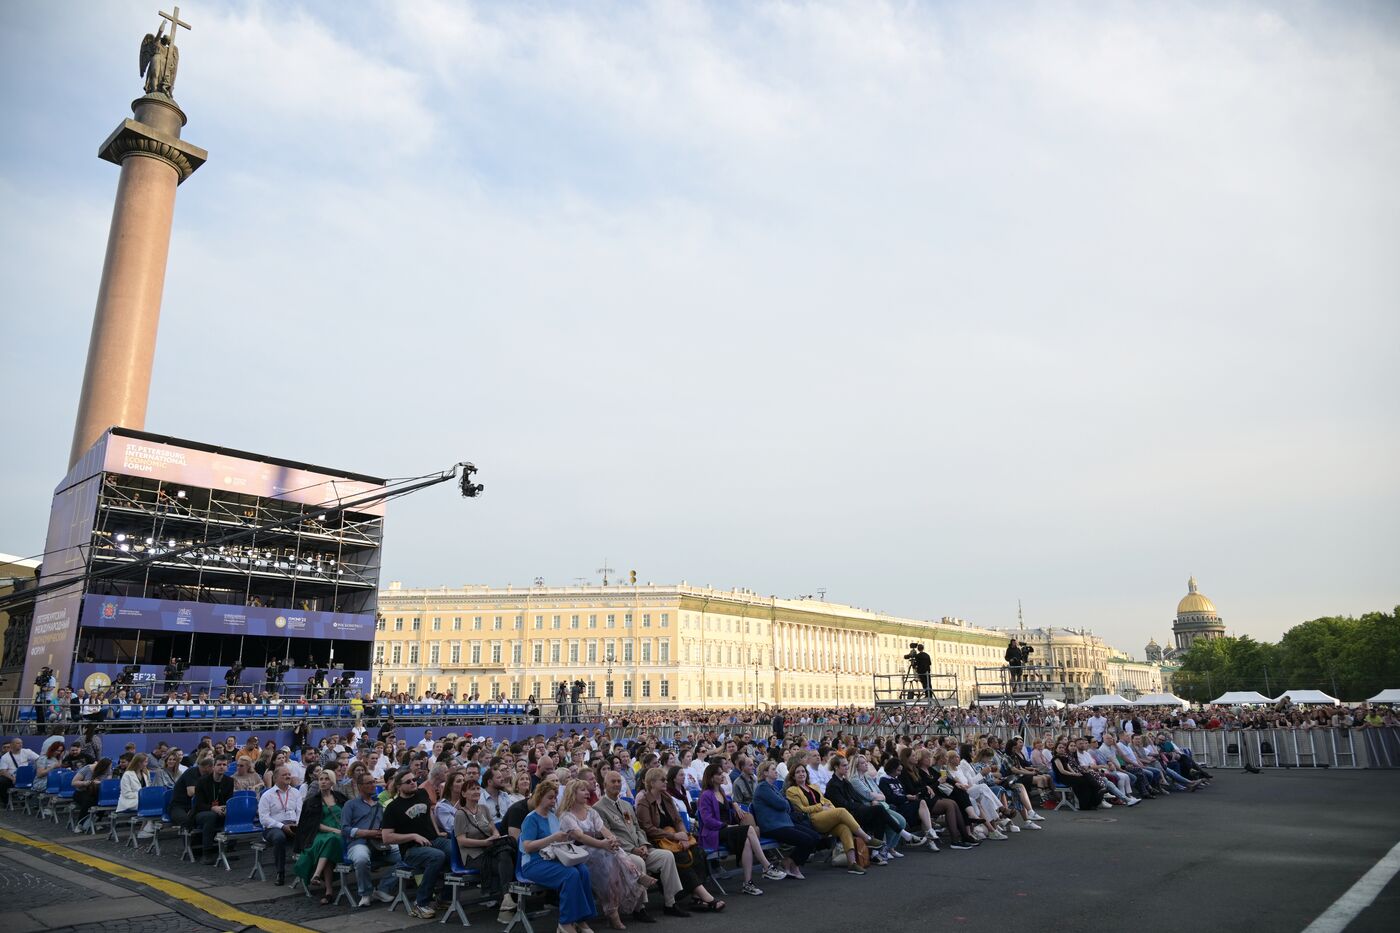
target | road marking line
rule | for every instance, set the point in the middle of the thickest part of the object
(210, 905)
(1359, 896)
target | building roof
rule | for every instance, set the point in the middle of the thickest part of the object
(1195, 602)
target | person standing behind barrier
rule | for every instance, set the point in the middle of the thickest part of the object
(211, 796)
(778, 727)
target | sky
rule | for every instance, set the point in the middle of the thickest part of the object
(932, 306)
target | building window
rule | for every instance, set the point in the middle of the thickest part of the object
(554, 653)
(539, 622)
(554, 622)
(592, 652)
(417, 623)
(573, 621)
(433, 654)
(496, 654)
(627, 651)
(516, 651)
(412, 654)
(665, 620)
(612, 621)
(398, 654)
(476, 652)
(665, 649)
(515, 690)
(592, 689)
(381, 625)
(457, 653)
(456, 623)
(610, 689)
(398, 625)
(538, 654)
(592, 621)
(646, 623)
(627, 620)
(646, 652)
(627, 689)
(519, 623)
(535, 689)
(665, 687)
(573, 652)
(437, 623)
(646, 689)
(496, 623)
(378, 655)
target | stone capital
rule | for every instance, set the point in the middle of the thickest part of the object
(135, 138)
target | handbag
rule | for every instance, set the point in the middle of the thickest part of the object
(566, 853)
(862, 853)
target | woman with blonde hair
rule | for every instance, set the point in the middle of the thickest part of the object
(825, 817)
(614, 877)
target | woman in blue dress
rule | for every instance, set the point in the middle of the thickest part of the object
(539, 831)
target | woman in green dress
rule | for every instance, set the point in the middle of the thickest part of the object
(318, 835)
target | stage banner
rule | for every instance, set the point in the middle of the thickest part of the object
(168, 615)
(150, 679)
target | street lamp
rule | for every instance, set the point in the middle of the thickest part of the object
(837, 667)
(756, 663)
(610, 660)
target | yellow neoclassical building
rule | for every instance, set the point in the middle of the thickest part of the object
(658, 646)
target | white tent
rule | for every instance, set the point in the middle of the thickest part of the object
(1307, 697)
(1386, 696)
(1241, 698)
(1107, 699)
(1160, 699)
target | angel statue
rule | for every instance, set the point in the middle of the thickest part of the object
(160, 57)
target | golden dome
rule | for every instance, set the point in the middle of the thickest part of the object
(1193, 603)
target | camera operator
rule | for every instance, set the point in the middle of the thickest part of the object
(44, 686)
(174, 675)
(1014, 659)
(232, 676)
(922, 665)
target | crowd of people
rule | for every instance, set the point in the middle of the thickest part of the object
(602, 821)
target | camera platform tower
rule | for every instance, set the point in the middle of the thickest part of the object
(996, 686)
(906, 690)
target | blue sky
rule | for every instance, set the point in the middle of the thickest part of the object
(934, 306)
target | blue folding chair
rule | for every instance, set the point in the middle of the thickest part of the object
(241, 819)
(24, 786)
(457, 875)
(58, 791)
(152, 804)
(109, 792)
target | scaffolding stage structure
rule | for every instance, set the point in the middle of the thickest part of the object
(1029, 686)
(907, 690)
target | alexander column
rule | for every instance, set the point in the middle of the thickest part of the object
(153, 160)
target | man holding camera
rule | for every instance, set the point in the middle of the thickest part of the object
(922, 665)
(44, 686)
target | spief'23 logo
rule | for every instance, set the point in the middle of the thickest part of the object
(280, 621)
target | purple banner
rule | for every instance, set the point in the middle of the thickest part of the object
(150, 679)
(166, 462)
(168, 615)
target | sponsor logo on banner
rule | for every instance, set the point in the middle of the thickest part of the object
(184, 617)
(109, 610)
(280, 621)
(97, 681)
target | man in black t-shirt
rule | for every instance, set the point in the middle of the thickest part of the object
(515, 817)
(408, 824)
(182, 794)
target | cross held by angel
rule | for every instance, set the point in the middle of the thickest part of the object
(159, 56)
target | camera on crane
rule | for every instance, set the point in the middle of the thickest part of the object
(469, 489)
(914, 649)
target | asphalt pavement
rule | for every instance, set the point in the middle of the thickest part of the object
(1251, 854)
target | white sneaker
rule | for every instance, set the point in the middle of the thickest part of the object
(998, 835)
(383, 897)
(362, 902)
(1036, 818)
(1132, 802)
(1105, 806)
(979, 831)
(895, 853)
(1014, 828)
(1032, 826)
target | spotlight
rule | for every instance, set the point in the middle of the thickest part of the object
(121, 537)
(180, 494)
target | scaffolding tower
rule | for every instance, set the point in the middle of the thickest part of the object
(907, 690)
(1026, 686)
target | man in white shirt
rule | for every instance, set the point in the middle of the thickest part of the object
(294, 767)
(425, 744)
(817, 773)
(279, 808)
(16, 756)
(1097, 724)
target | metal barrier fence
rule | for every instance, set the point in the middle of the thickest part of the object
(1345, 749)
(20, 718)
